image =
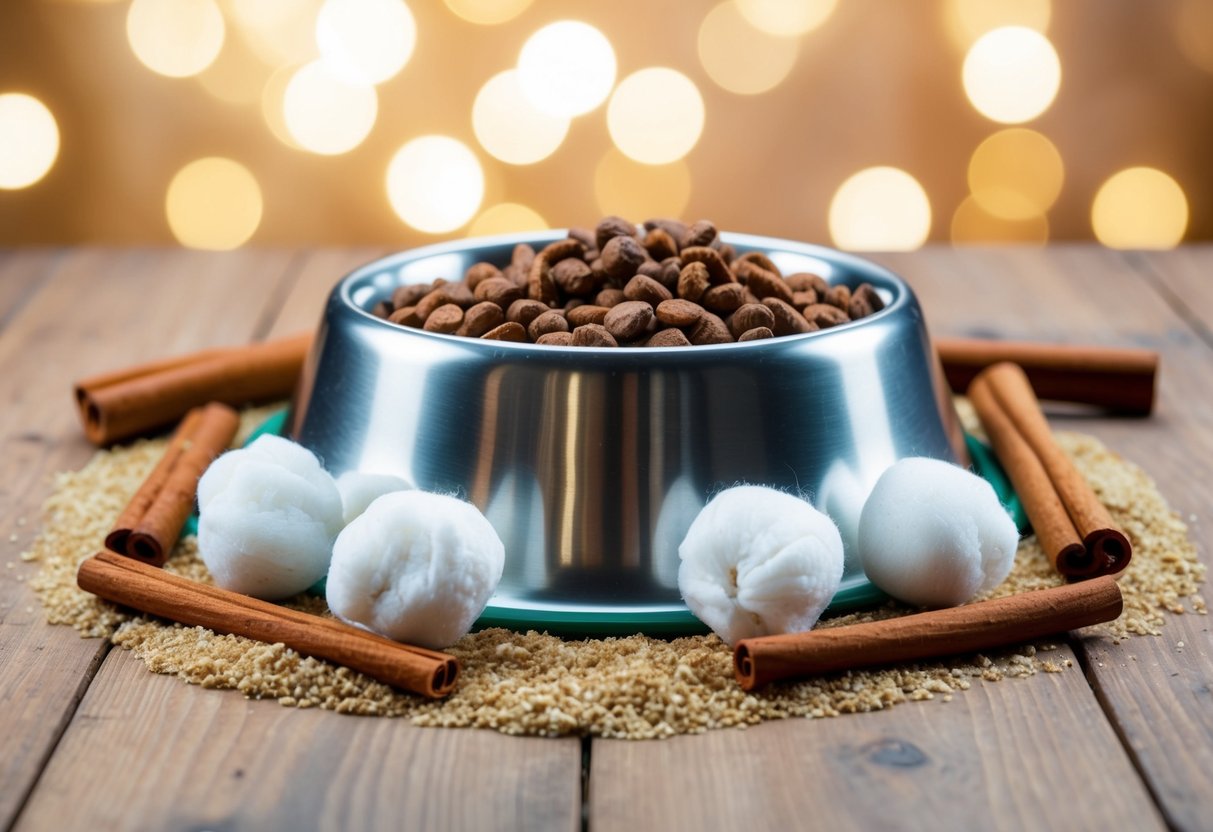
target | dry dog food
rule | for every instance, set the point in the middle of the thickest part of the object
(666, 284)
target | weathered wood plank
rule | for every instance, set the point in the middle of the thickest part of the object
(147, 752)
(22, 272)
(1184, 276)
(98, 310)
(1019, 754)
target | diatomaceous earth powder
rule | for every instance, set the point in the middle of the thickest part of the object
(634, 687)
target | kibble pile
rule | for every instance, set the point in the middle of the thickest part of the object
(633, 687)
(666, 285)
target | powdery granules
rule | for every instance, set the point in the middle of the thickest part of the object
(634, 687)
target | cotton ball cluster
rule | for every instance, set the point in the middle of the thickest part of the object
(416, 567)
(359, 490)
(932, 534)
(268, 515)
(757, 561)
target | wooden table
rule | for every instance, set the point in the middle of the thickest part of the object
(91, 740)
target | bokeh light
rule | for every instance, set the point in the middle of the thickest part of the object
(973, 225)
(213, 203)
(1194, 32)
(741, 58)
(627, 188)
(280, 32)
(365, 41)
(487, 12)
(326, 114)
(272, 109)
(1016, 174)
(509, 128)
(1012, 74)
(237, 76)
(566, 68)
(435, 184)
(967, 20)
(506, 218)
(1140, 207)
(786, 18)
(655, 115)
(177, 38)
(880, 209)
(29, 140)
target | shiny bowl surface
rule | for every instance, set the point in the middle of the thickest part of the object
(591, 463)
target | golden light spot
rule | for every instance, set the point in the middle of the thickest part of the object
(566, 68)
(972, 225)
(880, 209)
(237, 76)
(655, 115)
(326, 114)
(1140, 208)
(1016, 174)
(786, 18)
(272, 110)
(29, 140)
(506, 218)
(487, 12)
(280, 32)
(1012, 74)
(435, 184)
(630, 189)
(509, 128)
(213, 203)
(177, 38)
(1194, 32)
(967, 20)
(741, 58)
(365, 41)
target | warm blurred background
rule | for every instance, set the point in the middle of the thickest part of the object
(869, 124)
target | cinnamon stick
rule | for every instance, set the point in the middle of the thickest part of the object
(156, 592)
(151, 522)
(980, 626)
(1120, 379)
(128, 402)
(1011, 415)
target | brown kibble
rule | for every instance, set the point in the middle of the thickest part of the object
(556, 339)
(446, 318)
(508, 331)
(758, 259)
(805, 282)
(701, 233)
(477, 273)
(750, 316)
(865, 300)
(758, 333)
(724, 299)
(480, 318)
(824, 315)
(459, 294)
(574, 276)
(727, 252)
(675, 228)
(678, 312)
(432, 301)
(593, 335)
(646, 289)
(621, 256)
(762, 283)
(540, 285)
(709, 329)
(406, 316)
(496, 290)
(588, 314)
(693, 281)
(671, 268)
(629, 320)
(649, 268)
(525, 310)
(410, 293)
(573, 303)
(668, 338)
(382, 309)
(787, 320)
(609, 298)
(611, 227)
(548, 322)
(659, 244)
(718, 272)
(522, 257)
(802, 299)
(584, 236)
(839, 296)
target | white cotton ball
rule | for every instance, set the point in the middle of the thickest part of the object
(268, 515)
(359, 490)
(757, 561)
(416, 567)
(932, 534)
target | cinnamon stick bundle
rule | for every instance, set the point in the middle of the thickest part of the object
(156, 592)
(980, 626)
(1075, 530)
(125, 403)
(1115, 378)
(149, 525)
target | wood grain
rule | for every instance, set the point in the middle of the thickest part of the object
(148, 752)
(1031, 753)
(93, 310)
(1184, 277)
(22, 273)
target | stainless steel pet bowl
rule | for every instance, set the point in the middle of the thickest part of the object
(591, 463)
